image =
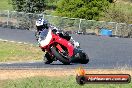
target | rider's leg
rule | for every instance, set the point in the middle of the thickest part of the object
(48, 59)
(69, 38)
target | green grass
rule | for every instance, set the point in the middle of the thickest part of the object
(4, 5)
(52, 82)
(19, 52)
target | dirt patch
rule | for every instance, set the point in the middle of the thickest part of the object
(16, 74)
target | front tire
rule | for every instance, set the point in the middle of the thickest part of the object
(60, 57)
(47, 58)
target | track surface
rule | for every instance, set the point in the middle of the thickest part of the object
(104, 52)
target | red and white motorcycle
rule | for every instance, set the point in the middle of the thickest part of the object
(58, 48)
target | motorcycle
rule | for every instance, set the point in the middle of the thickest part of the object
(58, 47)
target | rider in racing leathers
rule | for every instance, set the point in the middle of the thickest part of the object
(43, 24)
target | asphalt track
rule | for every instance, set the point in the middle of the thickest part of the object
(104, 52)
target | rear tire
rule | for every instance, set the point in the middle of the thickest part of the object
(61, 58)
(85, 58)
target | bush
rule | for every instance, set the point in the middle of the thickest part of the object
(86, 9)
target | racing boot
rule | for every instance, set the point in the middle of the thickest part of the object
(48, 59)
(76, 57)
(79, 57)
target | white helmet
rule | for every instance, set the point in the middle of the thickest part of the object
(42, 24)
(39, 22)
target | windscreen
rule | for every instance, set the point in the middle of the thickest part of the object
(43, 35)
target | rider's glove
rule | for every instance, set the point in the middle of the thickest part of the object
(54, 31)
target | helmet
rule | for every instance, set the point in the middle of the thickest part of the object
(42, 24)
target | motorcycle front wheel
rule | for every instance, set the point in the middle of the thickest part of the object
(65, 60)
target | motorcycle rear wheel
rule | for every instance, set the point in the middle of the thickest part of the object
(64, 60)
(85, 58)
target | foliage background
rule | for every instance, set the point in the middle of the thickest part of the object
(102, 10)
(85, 9)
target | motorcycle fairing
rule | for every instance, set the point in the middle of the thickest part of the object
(47, 38)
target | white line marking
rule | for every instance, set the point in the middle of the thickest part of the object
(4, 40)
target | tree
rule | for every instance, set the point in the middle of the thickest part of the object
(87, 9)
(29, 5)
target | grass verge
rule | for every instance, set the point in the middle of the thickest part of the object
(54, 78)
(19, 52)
(56, 82)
